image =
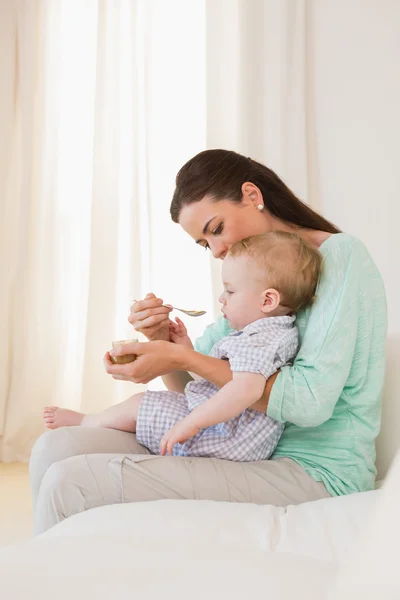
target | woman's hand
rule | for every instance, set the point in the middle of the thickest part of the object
(151, 318)
(153, 359)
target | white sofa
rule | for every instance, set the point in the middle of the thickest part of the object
(338, 548)
(215, 550)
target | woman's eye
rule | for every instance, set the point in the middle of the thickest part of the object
(218, 229)
(206, 246)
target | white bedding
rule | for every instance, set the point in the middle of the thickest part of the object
(323, 529)
(196, 548)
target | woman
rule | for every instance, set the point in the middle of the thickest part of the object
(329, 399)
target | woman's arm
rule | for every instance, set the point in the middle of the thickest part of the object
(262, 404)
(306, 392)
(215, 370)
(176, 381)
(340, 339)
(159, 358)
(172, 362)
(219, 373)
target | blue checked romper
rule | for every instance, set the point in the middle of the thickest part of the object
(262, 347)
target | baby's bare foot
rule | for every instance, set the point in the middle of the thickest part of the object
(55, 417)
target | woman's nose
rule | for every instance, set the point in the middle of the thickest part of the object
(219, 250)
(222, 298)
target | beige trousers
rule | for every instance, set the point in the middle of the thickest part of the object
(73, 469)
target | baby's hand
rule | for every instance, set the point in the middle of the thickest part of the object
(179, 433)
(178, 333)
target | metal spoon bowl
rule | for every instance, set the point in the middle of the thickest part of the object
(190, 313)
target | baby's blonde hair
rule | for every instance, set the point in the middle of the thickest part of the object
(291, 266)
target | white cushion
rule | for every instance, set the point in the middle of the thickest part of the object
(196, 548)
(323, 529)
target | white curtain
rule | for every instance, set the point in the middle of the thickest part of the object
(101, 102)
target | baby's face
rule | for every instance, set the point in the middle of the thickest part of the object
(242, 298)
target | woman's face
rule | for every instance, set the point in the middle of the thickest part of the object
(218, 225)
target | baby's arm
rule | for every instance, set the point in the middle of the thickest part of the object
(178, 334)
(229, 402)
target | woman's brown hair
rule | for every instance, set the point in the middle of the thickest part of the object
(220, 175)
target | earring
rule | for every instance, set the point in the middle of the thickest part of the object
(260, 206)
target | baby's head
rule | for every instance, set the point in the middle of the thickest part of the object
(268, 275)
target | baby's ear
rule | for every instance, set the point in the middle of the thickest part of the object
(271, 299)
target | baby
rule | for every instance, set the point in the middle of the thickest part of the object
(267, 279)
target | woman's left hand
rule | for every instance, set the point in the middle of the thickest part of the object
(153, 360)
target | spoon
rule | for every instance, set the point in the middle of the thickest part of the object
(190, 313)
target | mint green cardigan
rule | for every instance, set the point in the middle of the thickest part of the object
(330, 398)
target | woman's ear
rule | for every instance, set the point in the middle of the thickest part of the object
(252, 194)
(271, 300)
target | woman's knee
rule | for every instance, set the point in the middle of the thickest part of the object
(77, 484)
(51, 447)
(59, 495)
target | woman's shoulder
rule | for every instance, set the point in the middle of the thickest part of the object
(347, 262)
(343, 244)
(343, 249)
(350, 281)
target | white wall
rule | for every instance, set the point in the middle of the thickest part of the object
(356, 91)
